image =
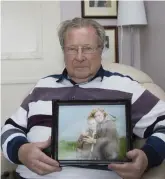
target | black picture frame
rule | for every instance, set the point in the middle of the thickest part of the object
(99, 12)
(110, 53)
(65, 127)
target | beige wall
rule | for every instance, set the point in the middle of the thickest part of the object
(152, 40)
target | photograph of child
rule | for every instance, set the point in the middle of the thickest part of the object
(87, 140)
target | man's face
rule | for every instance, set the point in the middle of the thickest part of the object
(81, 66)
(99, 116)
(92, 124)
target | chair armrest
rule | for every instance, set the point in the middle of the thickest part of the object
(156, 172)
(6, 165)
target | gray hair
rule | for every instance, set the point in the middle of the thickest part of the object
(78, 23)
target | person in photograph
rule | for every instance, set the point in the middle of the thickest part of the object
(99, 3)
(107, 140)
(26, 133)
(107, 42)
(85, 149)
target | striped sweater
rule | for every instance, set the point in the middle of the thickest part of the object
(32, 121)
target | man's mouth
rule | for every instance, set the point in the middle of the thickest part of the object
(80, 67)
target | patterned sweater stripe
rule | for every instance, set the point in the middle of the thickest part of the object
(155, 127)
(47, 94)
(160, 128)
(20, 117)
(39, 120)
(14, 124)
(8, 133)
(144, 127)
(13, 147)
(146, 99)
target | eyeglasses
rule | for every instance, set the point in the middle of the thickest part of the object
(85, 49)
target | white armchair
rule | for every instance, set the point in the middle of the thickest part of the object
(147, 82)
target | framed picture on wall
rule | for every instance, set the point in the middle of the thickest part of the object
(91, 132)
(110, 51)
(99, 9)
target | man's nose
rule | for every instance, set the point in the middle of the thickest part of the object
(79, 55)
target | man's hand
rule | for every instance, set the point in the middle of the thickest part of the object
(89, 140)
(31, 156)
(134, 169)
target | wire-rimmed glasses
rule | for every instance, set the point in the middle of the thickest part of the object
(84, 49)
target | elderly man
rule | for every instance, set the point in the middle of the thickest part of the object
(24, 134)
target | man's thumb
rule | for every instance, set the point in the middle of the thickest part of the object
(132, 154)
(45, 144)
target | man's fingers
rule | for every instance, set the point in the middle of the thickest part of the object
(45, 144)
(123, 170)
(132, 169)
(34, 168)
(125, 167)
(45, 168)
(42, 168)
(44, 158)
(133, 154)
(126, 175)
(126, 170)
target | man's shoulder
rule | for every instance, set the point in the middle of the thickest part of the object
(54, 76)
(109, 74)
(49, 80)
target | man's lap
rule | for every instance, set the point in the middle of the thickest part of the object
(74, 173)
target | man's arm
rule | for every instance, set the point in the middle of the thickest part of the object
(16, 147)
(148, 120)
(13, 133)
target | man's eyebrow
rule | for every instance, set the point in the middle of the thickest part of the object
(72, 45)
(87, 45)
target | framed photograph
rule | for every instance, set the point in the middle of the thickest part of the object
(99, 9)
(91, 132)
(110, 52)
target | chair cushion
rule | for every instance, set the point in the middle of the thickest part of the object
(137, 75)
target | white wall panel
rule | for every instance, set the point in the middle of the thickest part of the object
(21, 34)
(30, 47)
